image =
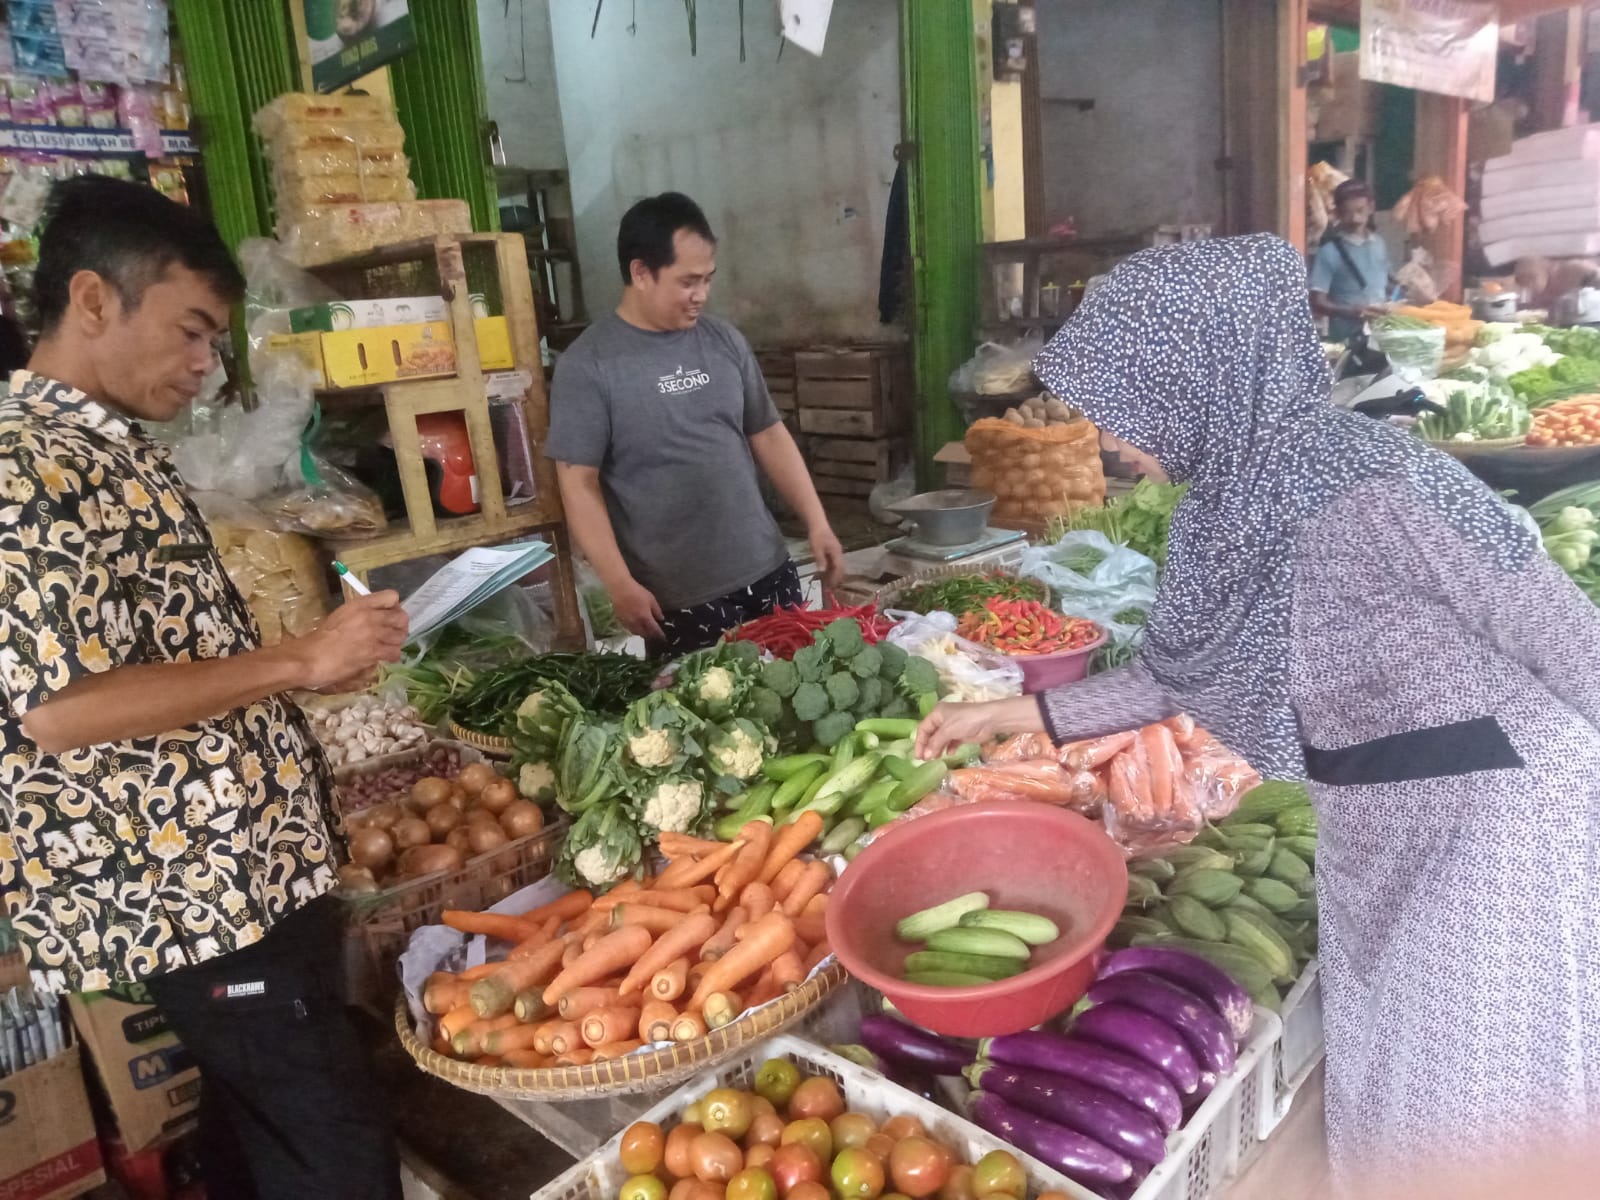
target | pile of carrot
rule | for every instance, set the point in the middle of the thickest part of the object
(724, 926)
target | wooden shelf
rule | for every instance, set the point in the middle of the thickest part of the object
(451, 536)
(403, 252)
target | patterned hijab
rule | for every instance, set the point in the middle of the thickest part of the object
(1204, 355)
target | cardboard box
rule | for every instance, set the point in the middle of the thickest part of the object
(48, 1147)
(150, 1080)
(368, 314)
(356, 358)
(494, 343)
(308, 346)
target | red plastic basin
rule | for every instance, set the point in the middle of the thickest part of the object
(1026, 856)
(1041, 672)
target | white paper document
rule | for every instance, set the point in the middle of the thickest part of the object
(467, 580)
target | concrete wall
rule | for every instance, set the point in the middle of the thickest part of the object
(792, 159)
(1145, 155)
(519, 72)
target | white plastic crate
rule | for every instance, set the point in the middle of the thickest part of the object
(1202, 1156)
(1299, 1050)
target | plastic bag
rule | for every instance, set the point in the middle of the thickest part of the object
(997, 370)
(245, 453)
(968, 672)
(274, 287)
(1116, 592)
(1415, 355)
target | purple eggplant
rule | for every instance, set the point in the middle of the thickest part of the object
(1206, 980)
(912, 1078)
(1147, 1038)
(1206, 1033)
(1077, 1157)
(1092, 1111)
(1143, 1086)
(917, 1048)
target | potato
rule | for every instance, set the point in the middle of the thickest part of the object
(1015, 417)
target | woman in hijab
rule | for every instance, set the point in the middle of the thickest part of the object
(1345, 606)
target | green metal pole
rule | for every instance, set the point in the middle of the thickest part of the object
(940, 101)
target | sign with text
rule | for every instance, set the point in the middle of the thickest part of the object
(350, 38)
(1443, 46)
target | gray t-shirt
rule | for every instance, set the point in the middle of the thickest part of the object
(667, 419)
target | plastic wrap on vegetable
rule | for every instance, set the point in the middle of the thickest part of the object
(1018, 748)
(1414, 348)
(1091, 576)
(1042, 779)
(968, 673)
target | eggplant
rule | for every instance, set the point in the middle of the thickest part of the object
(1142, 1086)
(1206, 1033)
(916, 1048)
(1079, 1158)
(910, 1077)
(1092, 1111)
(1206, 980)
(1147, 1038)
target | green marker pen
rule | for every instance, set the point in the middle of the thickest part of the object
(350, 581)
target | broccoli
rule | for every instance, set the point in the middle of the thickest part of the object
(868, 663)
(810, 701)
(919, 677)
(897, 707)
(812, 662)
(894, 660)
(844, 637)
(780, 676)
(842, 691)
(871, 698)
(764, 706)
(746, 654)
(833, 729)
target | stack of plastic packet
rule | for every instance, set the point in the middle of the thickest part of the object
(31, 1029)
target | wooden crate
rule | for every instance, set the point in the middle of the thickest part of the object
(777, 368)
(855, 458)
(851, 393)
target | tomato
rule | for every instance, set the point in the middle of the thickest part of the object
(765, 1130)
(715, 1157)
(999, 1174)
(760, 1105)
(691, 1115)
(693, 1189)
(759, 1156)
(752, 1184)
(776, 1081)
(858, 1175)
(959, 1185)
(809, 1191)
(792, 1164)
(643, 1187)
(817, 1097)
(812, 1133)
(642, 1146)
(904, 1127)
(676, 1157)
(726, 1111)
(880, 1144)
(851, 1130)
(918, 1167)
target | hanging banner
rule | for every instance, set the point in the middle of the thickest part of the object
(1443, 46)
(350, 38)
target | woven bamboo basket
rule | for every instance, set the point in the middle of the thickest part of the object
(1487, 446)
(645, 1071)
(890, 594)
(488, 743)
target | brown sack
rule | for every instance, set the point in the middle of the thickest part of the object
(1036, 474)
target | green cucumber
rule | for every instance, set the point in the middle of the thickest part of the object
(893, 728)
(1195, 920)
(991, 943)
(919, 783)
(855, 848)
(757, 804)
(874, 798)
(786, 768)
(920, 926)
(1158, 869)
(1029, 927)
(966, 964)
(946, 979)
(842, 834)
(844, 784)
(899, 767)
(797, 785)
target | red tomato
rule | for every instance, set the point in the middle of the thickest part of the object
(752, 1184)
(715, 1157)
(918, 1167)
(857, 1175)
(852, 1130)
(818, 1098)
(643, 1144)
(811, 1132)
(794, 1164)
(904, 1127)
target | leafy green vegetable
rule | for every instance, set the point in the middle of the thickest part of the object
(602, 683)
(602, 848)
(541, 719)
(961, 594)
(1475, 411)
(588, 764)
(1140, 520)
(661, 733)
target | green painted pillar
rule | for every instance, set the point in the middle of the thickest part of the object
(940, 101)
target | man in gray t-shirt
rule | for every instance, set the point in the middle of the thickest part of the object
(659, 418)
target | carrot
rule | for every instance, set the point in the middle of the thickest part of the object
(494, 925)
(697, 972)
(757, 899)
(816, 876)
(595, 918)
(440, 1046)
(788, 842)
(785, 881)
(470, 1042)
(580, 1002)
(810, 928)
(1096, 752)
(722, 1008)
(690, 1027)
(787, 971)
(746, 865)
(589, 939)
(609, 1024)
(531, 947)
(766, 988)
(566, 1037)
(642, 916)
(567, 908)
(581, 1057)
(682, 940)
(496, 994)
(722, 941)
(454, 1021)
(773, 934)
(655, 1021)
(676, 899)
(530, 1006)
(616, 1049)
(697, 870)
(527, 1060)
(574, 947)
(611, 955)
(518, 1037)
(669, 982)
(481, 971)
(442, 992)
(817, 906)
(489, 1060)
(818, 952)
(681, 845)
(543, 1036)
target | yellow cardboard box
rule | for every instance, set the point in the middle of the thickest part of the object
(357, 358)
(307, 346)
(494, 344)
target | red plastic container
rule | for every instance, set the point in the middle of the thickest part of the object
(1041, 672)
(1026, 856)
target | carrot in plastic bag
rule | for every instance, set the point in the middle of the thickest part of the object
(1022, 746)
(1096, 752)
(1034, 779)
(1166, 766)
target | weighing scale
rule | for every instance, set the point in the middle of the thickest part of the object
(914, 547)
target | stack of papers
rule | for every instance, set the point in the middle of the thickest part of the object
(467, 581)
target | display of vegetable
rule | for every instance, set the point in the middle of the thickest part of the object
(1569, 524)
(1474, 411)
(787, 630)
(1038, 412)
(1026, 627)
(1570, 422)
(968, 944)
(601, 683)
(1140, 520)
(713, 683)
(721, 929)
(378, 784)
(367, 727)
(961, 594)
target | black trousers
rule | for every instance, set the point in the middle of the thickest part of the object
(691, 629)
(287, 1102)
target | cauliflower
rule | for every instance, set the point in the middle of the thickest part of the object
(716, 686)
(536, 781)
(673, 807)
(602, 847)
(652, 748)
(596, 868)
(737, 751)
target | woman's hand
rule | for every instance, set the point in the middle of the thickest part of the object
(952, 725)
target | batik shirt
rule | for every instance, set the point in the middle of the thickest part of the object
(130, 859)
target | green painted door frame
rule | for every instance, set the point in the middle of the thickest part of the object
(939, 99)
